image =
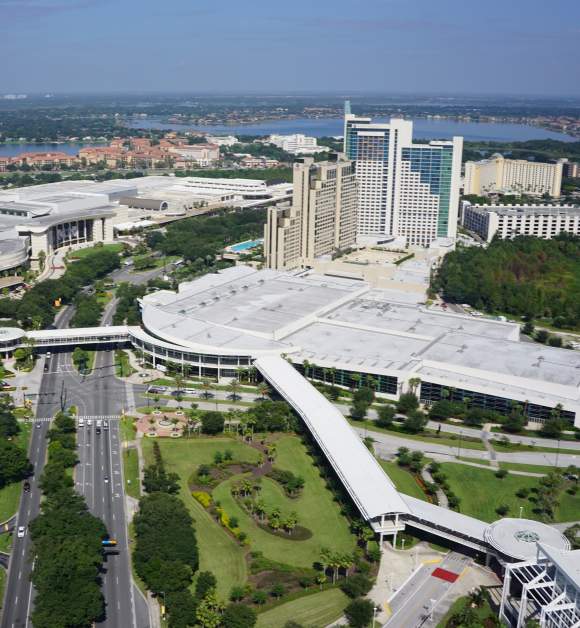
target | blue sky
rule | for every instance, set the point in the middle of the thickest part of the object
(455, 46)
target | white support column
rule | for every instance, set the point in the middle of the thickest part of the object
(505, 591)
(523, 607)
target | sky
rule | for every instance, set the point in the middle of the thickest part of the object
(268, 46)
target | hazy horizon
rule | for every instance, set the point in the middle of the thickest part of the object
(374, 47)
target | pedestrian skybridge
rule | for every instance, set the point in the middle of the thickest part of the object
(370, 488)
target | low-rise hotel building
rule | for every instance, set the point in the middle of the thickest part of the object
(510, 221)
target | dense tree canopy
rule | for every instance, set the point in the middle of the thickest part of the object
(526, 276)
(166, 542)
(203, 237)
(37, 305)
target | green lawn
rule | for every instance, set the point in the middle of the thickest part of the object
(403, 480)
(10, 495)
(127, 428)
(315, 611)
(429, 437)
(5, 542)
(481, 492)
(499, 446)
(81, 253)
(90, 362)
(530, 468)
(131, 472)
(315, 508)
(218, 551)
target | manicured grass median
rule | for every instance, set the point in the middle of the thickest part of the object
(403, 480)
(131, 472)
(427, 437)
(122, 366)
(316, 611)
(82, 253)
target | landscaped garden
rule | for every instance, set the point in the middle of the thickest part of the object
(267, 524)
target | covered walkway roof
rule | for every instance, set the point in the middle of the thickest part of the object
(364, 479)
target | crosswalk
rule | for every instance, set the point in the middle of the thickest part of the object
(84, 417)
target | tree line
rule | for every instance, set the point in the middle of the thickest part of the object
(14, 463)
(66, 541)
(36, 308)
(527, 277)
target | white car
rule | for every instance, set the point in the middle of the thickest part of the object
(21, 532)
(89, 422)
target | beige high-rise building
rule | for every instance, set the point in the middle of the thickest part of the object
(512, 176)
(321, 219)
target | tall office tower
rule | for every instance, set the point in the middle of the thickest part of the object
(512, 176)
(321, 219)
(405, 189)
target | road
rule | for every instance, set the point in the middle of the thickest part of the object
(19, 590)
(99, 477)
(386, 445)
(99, 394)
(420, 595)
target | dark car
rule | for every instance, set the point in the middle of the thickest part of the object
(26, 486)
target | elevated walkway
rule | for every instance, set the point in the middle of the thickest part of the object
(369, 486)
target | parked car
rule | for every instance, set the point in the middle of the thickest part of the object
(21, 532)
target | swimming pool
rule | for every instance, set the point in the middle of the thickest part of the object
(245, 246)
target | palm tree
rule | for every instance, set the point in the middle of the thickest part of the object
(261, 509)
(345, 562)
(324, 558)
(207, 387)
(152, 423)
(306, 365)
(320, 580)
(356, 378)
(174, 422)
(414, 383)
(271, 452)
(233, 387)
(263, 390)
(179, 381)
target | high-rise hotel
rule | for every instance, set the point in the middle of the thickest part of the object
(404, 189)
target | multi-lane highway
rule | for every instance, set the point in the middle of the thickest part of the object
(99, 477)
(19, 591)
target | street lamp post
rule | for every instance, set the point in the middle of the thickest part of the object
(375, 611)
(557, 454)
(459, 447)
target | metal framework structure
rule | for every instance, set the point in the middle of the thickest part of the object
(546, 590)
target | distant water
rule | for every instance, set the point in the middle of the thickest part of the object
(11, 150)
(423, 129)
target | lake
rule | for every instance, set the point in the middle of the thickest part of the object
(11, 150)
(424, 128)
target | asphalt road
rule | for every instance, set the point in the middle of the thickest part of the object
(414, 602)
(19, 591)
(99, 394)
(99, 477)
